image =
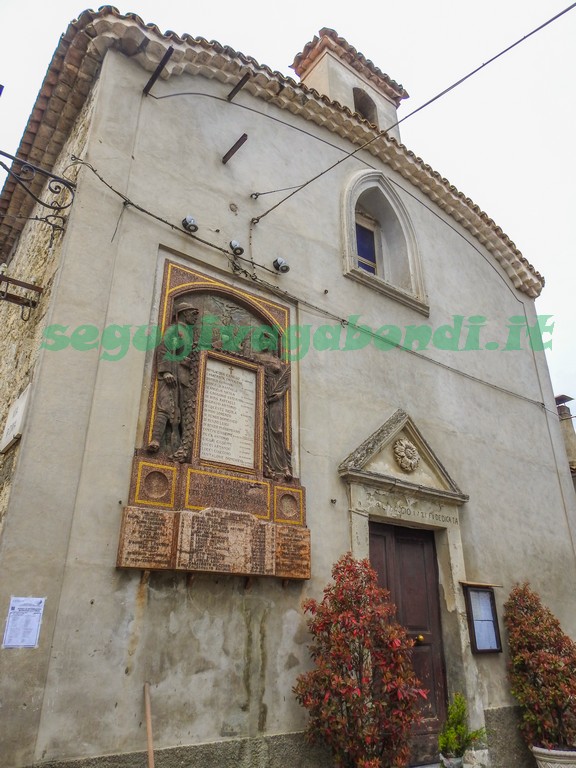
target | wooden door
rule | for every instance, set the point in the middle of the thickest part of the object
(405, 560)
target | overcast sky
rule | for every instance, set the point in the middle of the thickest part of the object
(506, 138)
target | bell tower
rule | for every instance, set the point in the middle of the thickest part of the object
(335, 69)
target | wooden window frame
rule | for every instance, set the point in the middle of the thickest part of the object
(474, 640)
(399, 271)
(367, 222)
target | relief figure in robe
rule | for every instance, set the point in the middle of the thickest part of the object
(277, 456)
(176, 359)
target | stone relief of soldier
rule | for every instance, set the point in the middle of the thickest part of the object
(177, 359)
(176, 363)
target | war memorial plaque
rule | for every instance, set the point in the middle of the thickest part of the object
(229, 414)
(292, 552)
(223, 541)
(213, 484)
(146, 539)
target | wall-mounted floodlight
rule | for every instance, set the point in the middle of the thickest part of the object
(236, 248)
(281, 265)
(189, 224)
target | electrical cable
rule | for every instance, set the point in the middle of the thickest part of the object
(236, 269)
(286, 124)
(294, 190)
(415, 111)
(468, 241)
(345, 323)
(130, 203)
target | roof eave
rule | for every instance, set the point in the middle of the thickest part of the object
(74, 69)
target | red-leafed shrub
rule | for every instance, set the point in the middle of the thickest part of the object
(542, 670)
(362, 694)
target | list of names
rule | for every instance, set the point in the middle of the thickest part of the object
(228, 415)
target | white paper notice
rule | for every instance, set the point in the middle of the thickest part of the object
(14, 422)
(23, 622)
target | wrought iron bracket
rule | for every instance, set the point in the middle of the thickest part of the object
(25, 173)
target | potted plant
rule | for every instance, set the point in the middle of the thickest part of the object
(455, 737)
(362, 694)
(542, 671)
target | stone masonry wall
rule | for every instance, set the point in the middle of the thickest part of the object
(279, 751)
(36, 258)
(506, 745)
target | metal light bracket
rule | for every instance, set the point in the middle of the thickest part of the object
(25, 174)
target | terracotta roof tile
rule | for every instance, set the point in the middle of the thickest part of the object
(329, 39)
(84, 45)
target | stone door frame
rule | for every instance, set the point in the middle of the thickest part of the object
(383, 497)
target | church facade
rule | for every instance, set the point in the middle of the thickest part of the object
(250, 331)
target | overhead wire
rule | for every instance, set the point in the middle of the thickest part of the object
(286, 295)
(130, 203)
(363, 161)
(414, 111)
(232, 259)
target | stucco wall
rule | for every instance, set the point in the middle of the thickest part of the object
(334, 78)
(34, 260)
(222, 659)
(507, 747)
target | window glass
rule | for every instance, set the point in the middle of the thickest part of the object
(482, 619)
(380, 247)
(365, 239)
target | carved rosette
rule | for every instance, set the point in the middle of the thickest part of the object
(406, 455)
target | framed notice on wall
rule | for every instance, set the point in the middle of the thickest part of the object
(482, 619)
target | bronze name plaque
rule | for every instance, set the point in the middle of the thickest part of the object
(292, 552)
(243, 494)
(222, 541)
(229, 414)
(213, 541)
(146, 539)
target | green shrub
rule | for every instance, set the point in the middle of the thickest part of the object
(455, 738)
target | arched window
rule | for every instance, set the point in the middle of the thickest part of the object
(379, 240)
(364, 106)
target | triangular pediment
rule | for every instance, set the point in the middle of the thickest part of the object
(397, 456)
